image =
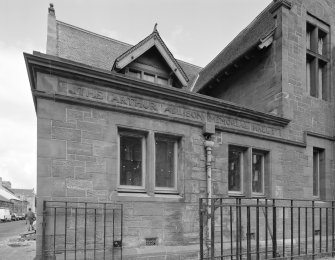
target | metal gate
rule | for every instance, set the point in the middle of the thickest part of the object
(244, 228)
(82, 230)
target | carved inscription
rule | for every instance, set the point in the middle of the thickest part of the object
(171, 110)
(185, 113)
(86, 92)
(132, 102)
(241, 124)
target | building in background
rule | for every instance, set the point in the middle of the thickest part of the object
(9, 200)
(26, 195)
(132, 125)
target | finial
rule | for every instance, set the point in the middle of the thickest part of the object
(155, 27)
(51, 9)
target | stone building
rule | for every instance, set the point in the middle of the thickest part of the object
(135, 126)
(9, 200)
(26, 195)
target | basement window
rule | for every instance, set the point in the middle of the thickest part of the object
(151, 241)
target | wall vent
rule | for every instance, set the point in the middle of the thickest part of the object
(151, 241)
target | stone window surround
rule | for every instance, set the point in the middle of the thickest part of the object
(316, 61)
(148, 174)
(246, 183)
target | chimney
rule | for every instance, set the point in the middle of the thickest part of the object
(51, 31)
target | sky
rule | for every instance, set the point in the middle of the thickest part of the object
(194, 30)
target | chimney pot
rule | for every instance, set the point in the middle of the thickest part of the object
(51, 9)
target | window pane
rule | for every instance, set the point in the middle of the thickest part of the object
(234, 171)
(316, 168)
(320, 81)
(257, 173)
(149, 77)
(165, 164)
(134, 73)
(130, 160)
(308, 40)
(320, 46)
(162, 81)
(308, 76)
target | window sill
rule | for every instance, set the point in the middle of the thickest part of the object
(236, 194)
(133, 196)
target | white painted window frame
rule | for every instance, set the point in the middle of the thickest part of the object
(132, 133)
(176, 142)
(242, 151)
(263, 154)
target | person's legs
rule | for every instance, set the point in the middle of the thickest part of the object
(31, 225)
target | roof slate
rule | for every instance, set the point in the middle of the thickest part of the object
(261, 26)
(2, 198)
(25, 192)
(98, 51)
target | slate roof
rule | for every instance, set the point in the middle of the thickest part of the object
(6, 193)
(98, 51)
(260, 27)
(25, 192)
(2, 198)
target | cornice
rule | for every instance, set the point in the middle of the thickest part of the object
(110, 107)
(280, 3)
(317, 135)
(65, 68)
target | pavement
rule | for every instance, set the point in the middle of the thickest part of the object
(12, 246)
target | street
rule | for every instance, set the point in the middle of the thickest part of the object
(10, 229)
(12, 246)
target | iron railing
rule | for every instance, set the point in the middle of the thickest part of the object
(241, 228)
(82, 230)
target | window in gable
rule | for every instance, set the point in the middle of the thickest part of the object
(148, 77)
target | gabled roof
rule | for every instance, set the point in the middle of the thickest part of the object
(2, 198)
(150, 41)
(4, 192)
(251, 37)
(25, 192)
(99, 51)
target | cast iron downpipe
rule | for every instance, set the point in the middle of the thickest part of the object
(208, 147)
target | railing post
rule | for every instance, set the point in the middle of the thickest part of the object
(274, 229)
(292, 253)
(43, 229)
(213, 230)
(313, 229)
(201, 230)
(257, 229)
(248, 234)
(333, 228)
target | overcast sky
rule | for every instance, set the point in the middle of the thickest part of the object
(194, 30)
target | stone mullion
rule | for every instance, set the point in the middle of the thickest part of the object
(150, 161)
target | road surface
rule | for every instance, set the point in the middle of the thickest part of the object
(10, 229)
(12, 247)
